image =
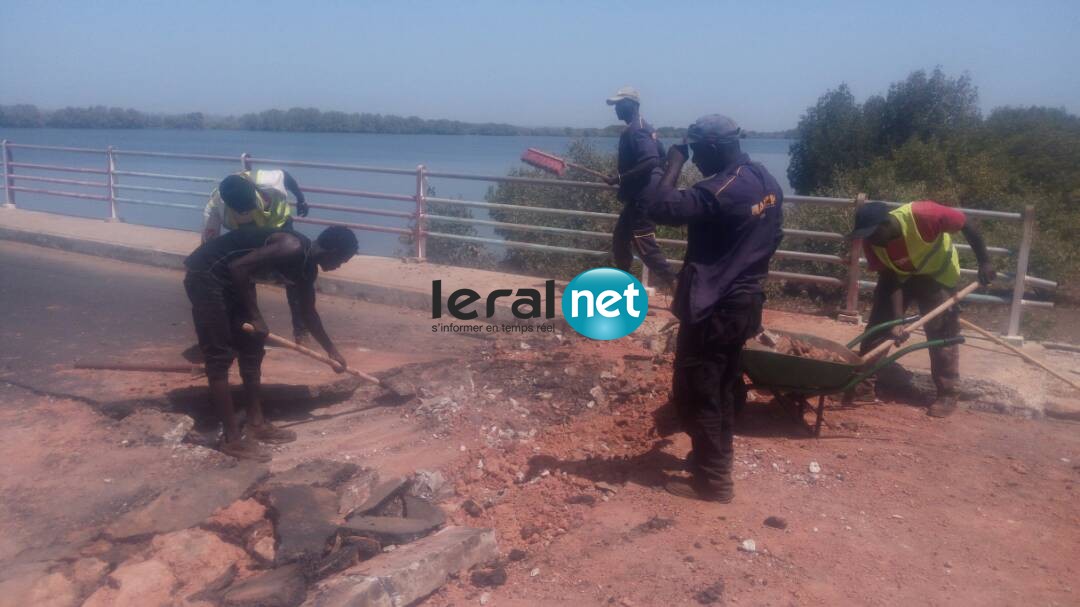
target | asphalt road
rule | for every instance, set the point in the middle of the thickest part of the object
(58, 307)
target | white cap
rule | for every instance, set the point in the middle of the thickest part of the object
(626, 92)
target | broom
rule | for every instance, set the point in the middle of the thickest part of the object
(553, 164)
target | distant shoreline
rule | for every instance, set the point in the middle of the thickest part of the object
(303, 120)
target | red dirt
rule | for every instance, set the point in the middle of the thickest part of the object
(974, 509)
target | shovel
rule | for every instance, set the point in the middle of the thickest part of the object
(399, 390)
(931, 315)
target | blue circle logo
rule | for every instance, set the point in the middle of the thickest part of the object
(604, 303)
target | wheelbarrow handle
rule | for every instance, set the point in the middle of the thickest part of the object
(888, 360)
(874, 330)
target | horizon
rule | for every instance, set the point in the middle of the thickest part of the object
(475, 65)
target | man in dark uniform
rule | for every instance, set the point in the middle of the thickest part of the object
(639, 157)
(220, 284)
(733, 220)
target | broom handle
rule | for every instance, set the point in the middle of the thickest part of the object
(585, 169)
(281, 341)
(1017, 351)
(909, 329)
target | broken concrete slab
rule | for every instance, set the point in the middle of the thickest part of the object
(421, 509)
(380, 495)
(189, 504)
(281, 587)
(324, 473)
(408, 574)
(390, 529)
(356, 491)
(304, 518)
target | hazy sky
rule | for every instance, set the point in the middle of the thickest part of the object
(530, 63)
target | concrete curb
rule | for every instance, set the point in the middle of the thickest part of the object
(149, 257)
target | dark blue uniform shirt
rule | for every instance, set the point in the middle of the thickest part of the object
(733, 224)
(637, 144)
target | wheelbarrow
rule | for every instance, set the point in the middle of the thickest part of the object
(793, 380)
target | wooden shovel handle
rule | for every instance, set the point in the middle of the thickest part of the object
(281, 341)
(909, 329)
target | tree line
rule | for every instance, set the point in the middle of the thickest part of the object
(306, 120)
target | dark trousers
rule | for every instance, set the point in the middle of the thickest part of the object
(708, 382)
(634, 233)
(218, 315)
(928, 294)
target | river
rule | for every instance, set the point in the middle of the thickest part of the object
(485, 155)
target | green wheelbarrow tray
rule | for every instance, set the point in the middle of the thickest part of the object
(793, 378)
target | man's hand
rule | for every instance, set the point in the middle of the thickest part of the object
(612, 179)
(301, 208)
(898, 334)
(987, 273)
(339, 359)
(261, 328)
(678, 153)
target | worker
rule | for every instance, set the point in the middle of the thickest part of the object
(256, 199)
(733, 218)
(640, 153)
(220, 284)
(911, 248)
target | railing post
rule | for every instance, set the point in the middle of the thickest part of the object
(1016, 308)
(851, 304)
(9, 181)
(245, 162)
(110, 180)
(421, 213)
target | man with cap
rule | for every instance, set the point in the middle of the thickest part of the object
(639, 157)
(733, 218)
(911, 248)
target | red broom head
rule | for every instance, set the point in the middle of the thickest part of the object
(544, 161)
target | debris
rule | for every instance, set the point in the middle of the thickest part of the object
(748, 546)
(530, 530)
(484, 598)
(581, 498)
(606, 487)
(324, 473)
(793, 346)
(655, 523)
(713, 593)
(776, 522)
(380, 495)
(472, 508)
(281, 587)
(490, 576)
(535, 572)
(427, 484)
(236, 518)
(136, 585)
(815, 468)
(516, 555)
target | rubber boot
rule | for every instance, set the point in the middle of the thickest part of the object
(721, 492)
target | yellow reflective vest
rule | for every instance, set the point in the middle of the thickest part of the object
(938, 259)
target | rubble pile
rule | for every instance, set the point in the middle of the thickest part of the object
(785, 344)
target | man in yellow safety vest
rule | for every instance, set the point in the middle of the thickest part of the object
(911, 248)
(256, 199)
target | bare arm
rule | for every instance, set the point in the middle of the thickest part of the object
(978, 246)
(294, 188)
(313, 322)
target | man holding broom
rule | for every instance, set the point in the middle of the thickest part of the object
(639, 157)
(220, 284)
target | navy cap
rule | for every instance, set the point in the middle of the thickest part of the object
(714, 128)
(868, 218)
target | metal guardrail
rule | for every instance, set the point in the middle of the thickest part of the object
(418, 214)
